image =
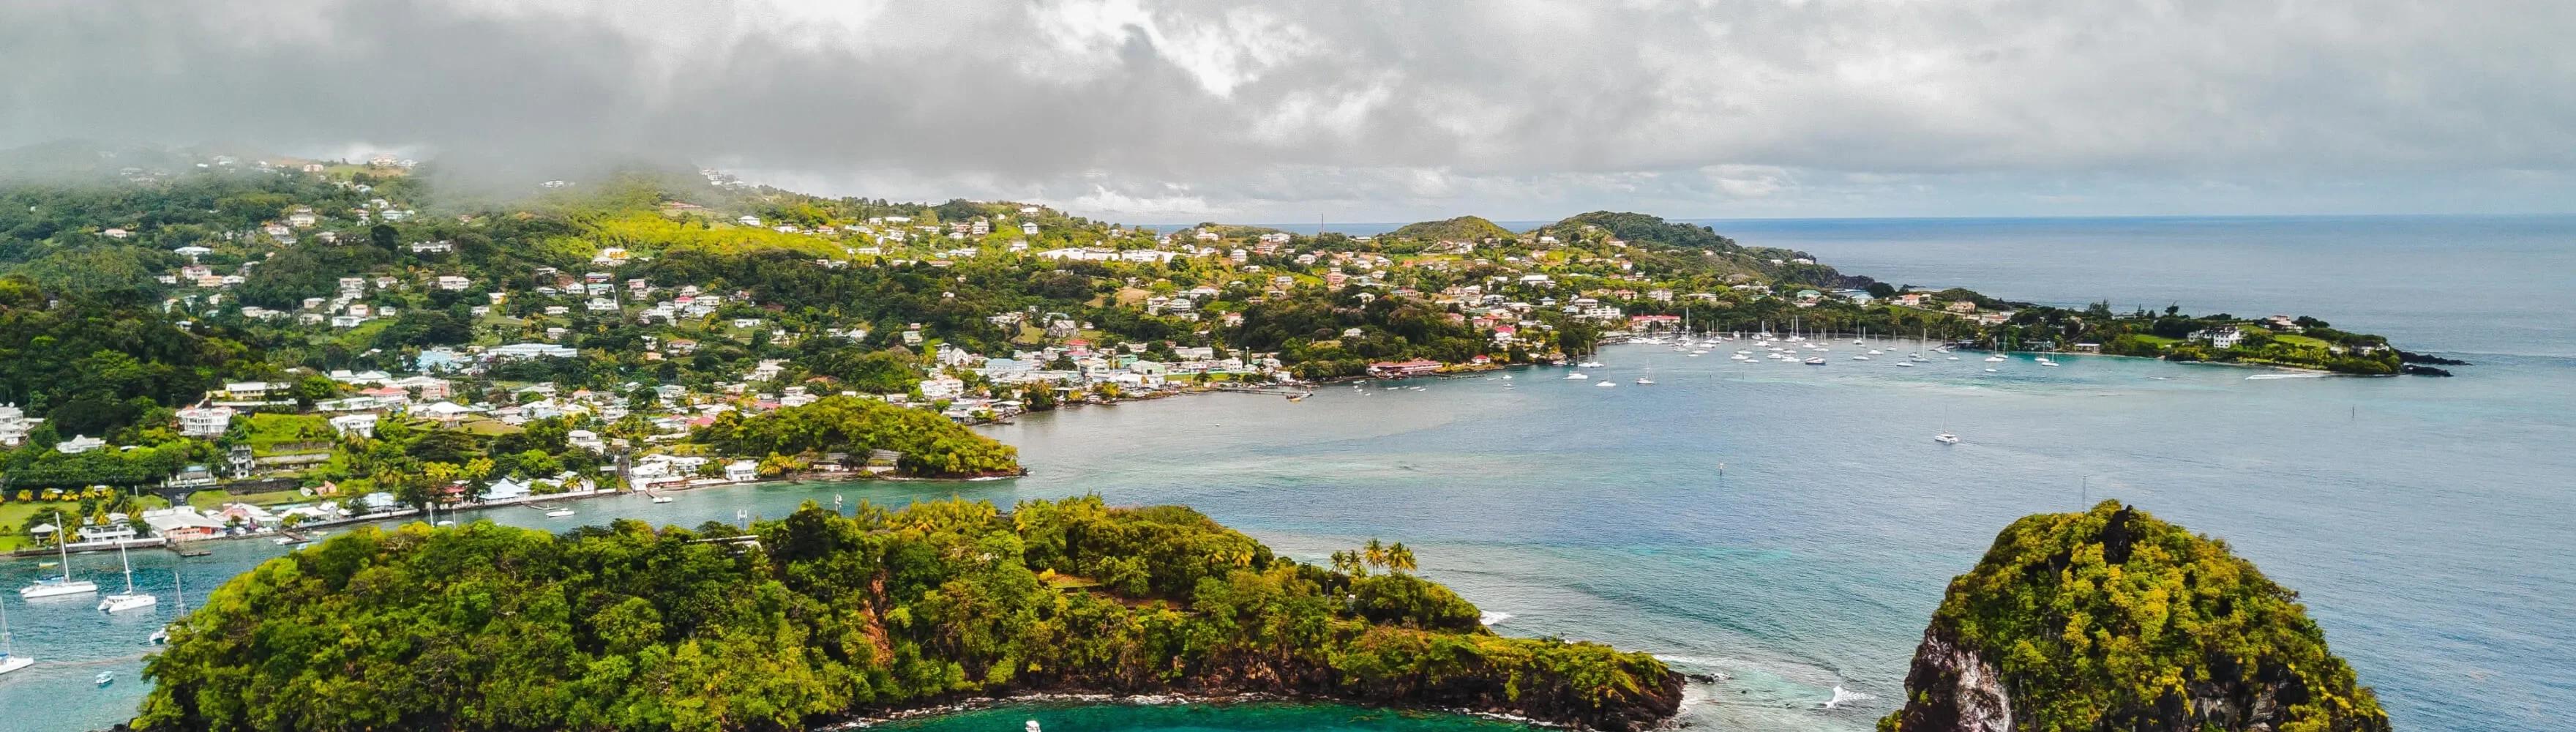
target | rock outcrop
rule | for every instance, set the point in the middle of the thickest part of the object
(2113, 620)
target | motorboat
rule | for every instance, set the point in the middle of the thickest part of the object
(1946, 438)
(559, 513)
(1589, 364)
(103, 678)
(1860, 358)
(1815, 361)
(1905, 364)
(663, 499)
(1644, 380)
(1606, 384)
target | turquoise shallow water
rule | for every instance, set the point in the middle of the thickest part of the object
(2423, 520)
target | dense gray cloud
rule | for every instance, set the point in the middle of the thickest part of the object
(1170, 110)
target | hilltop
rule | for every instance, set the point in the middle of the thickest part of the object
(1463, 228)
(2112, 619)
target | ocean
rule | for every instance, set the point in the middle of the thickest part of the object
(1792, 527)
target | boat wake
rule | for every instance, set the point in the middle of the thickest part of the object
(1491, 618)
(1843, 696)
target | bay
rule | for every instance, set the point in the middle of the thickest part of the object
(1792, 527)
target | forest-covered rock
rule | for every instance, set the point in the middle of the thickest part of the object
(820, 616)
(2113, 620)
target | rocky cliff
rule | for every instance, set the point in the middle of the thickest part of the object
(2113, 620)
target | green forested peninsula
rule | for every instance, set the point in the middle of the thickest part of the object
(819, 616)
(2113, 620)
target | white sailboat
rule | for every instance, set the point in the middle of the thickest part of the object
(9, 658)
(56, 587)
(178, 593)
(129, 599)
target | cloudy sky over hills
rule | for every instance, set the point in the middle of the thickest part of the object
(1368, 111)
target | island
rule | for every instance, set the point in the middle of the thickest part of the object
(820, 617)
(2112, 619)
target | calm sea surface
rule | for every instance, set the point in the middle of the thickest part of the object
(1792, 527)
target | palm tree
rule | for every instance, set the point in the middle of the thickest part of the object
(1399, 558)
(1348, 562)
(1375, 554)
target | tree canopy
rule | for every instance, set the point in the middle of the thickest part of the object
(798, 620)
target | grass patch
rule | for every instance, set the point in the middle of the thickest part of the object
(211, 500)
(2301, 341)
(268, 430)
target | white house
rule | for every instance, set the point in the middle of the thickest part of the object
(741, 470)
(205, 422)
(79, 444)
(505, 489)
(361, 424)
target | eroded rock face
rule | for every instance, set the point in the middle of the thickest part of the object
(1954, 689)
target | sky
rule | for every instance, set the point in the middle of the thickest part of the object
(1375, 110)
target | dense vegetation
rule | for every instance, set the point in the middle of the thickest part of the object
(817, 615)
(2111, 619)
(932, 445)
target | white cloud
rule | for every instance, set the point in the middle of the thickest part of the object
(1284, 106)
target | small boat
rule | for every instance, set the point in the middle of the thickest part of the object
(663, 499)
(1816, 361)
(160, 637)
(1905, 364)
(1954, 358)
(1997, 358)
(1946, 438)
(103, 678)
(1576, 375)
(283, 541)
(1590, 364)
(1507, 377)
(1644, 380)
(1990, 369)
(1606, 384)
(1860, 358)
(559, 513)
(2050, 364)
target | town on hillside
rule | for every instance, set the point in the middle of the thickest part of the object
(195, 346)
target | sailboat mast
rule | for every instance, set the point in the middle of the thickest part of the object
(129, 567)
(8, 643)
(64, 543)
